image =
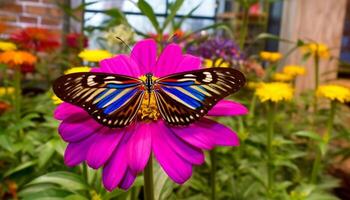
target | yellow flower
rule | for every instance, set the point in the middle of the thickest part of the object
(7, 46)
(334, 93)
(282, 77)
(270, 56)
(294, 70)
(218, 63)
(6, 90)
(94, 55)
(15, 58)
(320, 49)
(77, 69)
(253, 85)
(56, 100)
(275, 92)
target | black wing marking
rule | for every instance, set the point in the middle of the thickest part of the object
(112, 100)
(186, 97)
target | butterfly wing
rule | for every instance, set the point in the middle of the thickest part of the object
(112, 100)
(185, 97)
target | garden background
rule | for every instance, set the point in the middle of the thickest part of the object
(293, 136)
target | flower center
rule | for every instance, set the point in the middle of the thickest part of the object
(148, 111)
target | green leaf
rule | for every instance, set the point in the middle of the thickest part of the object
(174, 7)
(46, 194)
(306, 56)
(46, 152)
(67, 180)
(264, 36)
(75, 197)
(147, 10)
(310, 135)
(19, 168)
(162, 188)
(5, 142)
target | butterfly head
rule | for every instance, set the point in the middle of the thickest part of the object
(149, 75)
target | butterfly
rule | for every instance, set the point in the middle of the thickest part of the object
(181, 98)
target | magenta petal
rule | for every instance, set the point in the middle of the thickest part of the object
(176, 167)
(227, 108)
(221, 135)
(195, 135)
(188, 63)
(66, 110)
(75, 131)
(76, 151)
(205, 134)
(103, 147)
(168, 61)
(190, 153)
(115, 168)
(144, 54)
(128, 180)
(120, 64)
(139, 147)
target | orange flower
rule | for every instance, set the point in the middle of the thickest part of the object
(4, 107)
(2, 27)
(179, 33)
(22, 59)
(36, 39)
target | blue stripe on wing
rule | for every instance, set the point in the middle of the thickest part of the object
(189, 100)
(121, 86)
(107, 98)
(102, 93)
(181, 84)
(119, 102)
(195, 92)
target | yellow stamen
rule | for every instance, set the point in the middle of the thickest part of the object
(148, 110)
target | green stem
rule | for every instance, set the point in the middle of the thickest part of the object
(18, 94)
(5, 77)
(85, 173)
(317, 63)
(134, 193)
(244, 28)
(213, 174)
(316, 166)
(330, 122)
(148, 180)
(269, 146)
(252, 107)
(326, 138)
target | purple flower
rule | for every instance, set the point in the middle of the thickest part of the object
(123, 153)
(217, 48)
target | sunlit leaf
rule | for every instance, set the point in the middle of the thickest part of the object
(174, 7)
(67, 180)
(147, 10)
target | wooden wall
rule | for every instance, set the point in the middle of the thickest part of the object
(316, 20)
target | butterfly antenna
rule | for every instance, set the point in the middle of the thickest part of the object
(123, 42)
(172, 37)
(128, 48)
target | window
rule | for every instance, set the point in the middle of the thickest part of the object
(203, 16)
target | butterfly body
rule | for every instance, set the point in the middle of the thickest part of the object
(181, 98)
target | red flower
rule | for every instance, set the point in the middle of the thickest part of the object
(36, 39)
(74, 40)
(27, 68)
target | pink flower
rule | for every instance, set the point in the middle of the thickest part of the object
(123, 153)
